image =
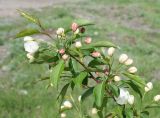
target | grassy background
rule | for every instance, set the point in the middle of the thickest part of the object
(134, 25)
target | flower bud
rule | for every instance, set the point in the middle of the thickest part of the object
(94, 111)
(148, 87)
(61, 51)
(111, 50)
(106, 71)
(63, 115)
(96, 54)
(28, 38)
(88, 40)
(76, 32)
(157, 98)
(82, 30)
(128, 62)
(65, 57)
(132, 69)
(78, 44)
(67, 104)
(62, 107)
(131, 99)
(79, 98)
(74, 27)
(60, 31)
(123, 58)
(117, 78)
(30, 57)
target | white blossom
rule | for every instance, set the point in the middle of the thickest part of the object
(148, 87)
(132, 69)
(131, 99)
(123, 58)
(65, 57)
(60, 31)
(28, 38)
(63, 115)
(111, 50)
(31, 46)
(94, 111)
(78, 44)
(157, 98)
(67, 104)
(123, 97)
(117, 78)
(128, 62)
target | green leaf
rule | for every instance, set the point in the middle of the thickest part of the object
(79, 79)
(27, 32)
(28, 16)
(128, 113)
(87, 93)
(63, 92)
(99, 93)
(152, 106)
(114, 89)
(56, 72)
(95, 62)
(73, 66)
(98, 44)
(136, 79)
(145, 114)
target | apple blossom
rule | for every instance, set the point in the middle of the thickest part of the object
(131, 99)
(128, 62)
(111, 50)
(123, 97)
(117, 78)
(67, 104)
(123, 58)
(78, 44)
(132, 69)
(65, 57)
(96, 54)
(31, 46)
(157, 98)
(148, 87)
(63, 115)
(94, 111)
(88, 40)
(74, 27)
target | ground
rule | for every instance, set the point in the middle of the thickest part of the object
(132, 25)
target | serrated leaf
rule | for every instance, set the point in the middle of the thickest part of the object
(56, 72)
(28, 16)
(99, 93)
(98, 44)
(87, 93)
(27, 32)
(79, 79)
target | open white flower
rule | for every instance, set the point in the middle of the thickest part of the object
(31, 46)
(78, 44)
(28, 38)
(123, 58)
(132, 69)
(157, 98)
(94, 111)
(111, 50)
(131, 99)
(67, 104)
(123, 97)
(63, 115)
(128, 62)
(148, 87)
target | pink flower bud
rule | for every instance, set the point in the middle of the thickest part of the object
(88, 40)
(106, 71)
(74, 27)
(61, 51)
(96, 54)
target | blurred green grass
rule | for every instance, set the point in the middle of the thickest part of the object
(133, 25)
